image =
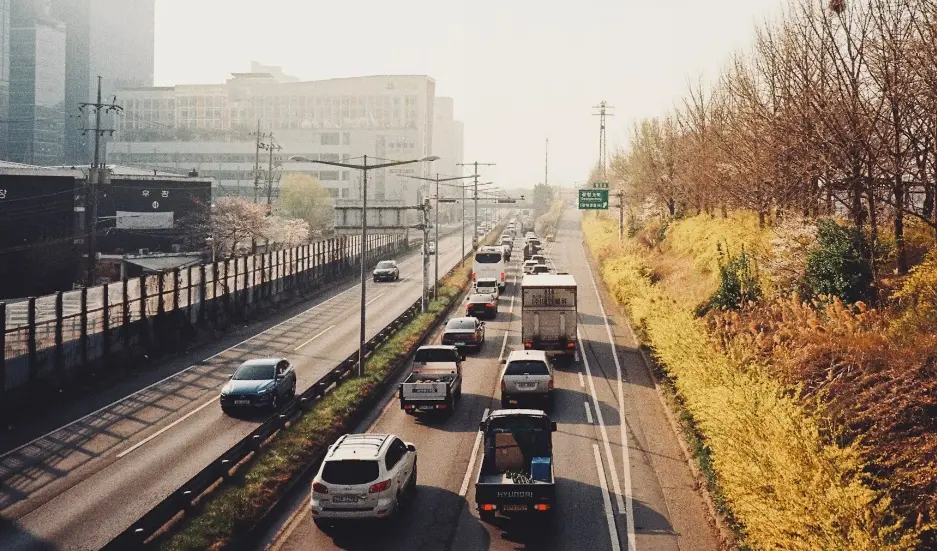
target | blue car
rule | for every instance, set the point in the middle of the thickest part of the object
(264, 383)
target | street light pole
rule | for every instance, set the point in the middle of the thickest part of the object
(364, 168)
(436, 246)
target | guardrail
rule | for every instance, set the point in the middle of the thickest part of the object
(225, 467)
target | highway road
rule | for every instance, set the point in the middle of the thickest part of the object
(622, 480)
(77, 477)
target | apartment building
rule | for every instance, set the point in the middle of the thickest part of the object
(212, 129)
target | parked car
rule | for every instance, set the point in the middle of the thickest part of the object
(540, 269)
(527, 377)
(529, 266)
(363, 476)
(482, 305)
(262, 383)
(467, 332)
(386, 270)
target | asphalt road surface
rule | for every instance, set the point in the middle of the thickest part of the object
(76, 478)
(622, 481)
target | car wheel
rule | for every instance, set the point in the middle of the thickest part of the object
(505, 404)
(322, 525)
(411, 484)
(487, 516)
(293, 390)
(397, 504)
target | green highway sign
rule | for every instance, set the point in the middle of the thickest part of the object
(593, 199)
(600, 185)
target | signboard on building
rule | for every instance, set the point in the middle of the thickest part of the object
(593, 199)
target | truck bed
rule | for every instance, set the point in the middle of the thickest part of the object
(504, 479)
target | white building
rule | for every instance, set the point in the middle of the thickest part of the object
(210, 128)
(447, 144)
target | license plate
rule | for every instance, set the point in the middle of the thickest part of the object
(242, 402)
(426, 406)
(460, 344)
(527, 386)
(515, 507)
(345, 499)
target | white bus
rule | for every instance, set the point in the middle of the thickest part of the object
(489, 262)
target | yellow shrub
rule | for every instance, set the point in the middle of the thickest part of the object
(786, 486)
(916, 298)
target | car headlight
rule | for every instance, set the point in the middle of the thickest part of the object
(265, 390)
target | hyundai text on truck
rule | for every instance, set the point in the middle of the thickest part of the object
(548, 314)
(516, 476)
(435, 382)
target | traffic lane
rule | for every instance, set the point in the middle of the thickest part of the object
(579, 519)
(656, 484)
(668, 510)
(30, 474)
(444, 447)
(65, 516)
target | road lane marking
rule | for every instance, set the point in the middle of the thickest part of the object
(582, 382)
(316, 336)
(181, 372)
(606, 502)
(468, 470)
(602, 429)
(504, 343)
(373, 299)
(626, 465)
(167, 427)
(588, 413)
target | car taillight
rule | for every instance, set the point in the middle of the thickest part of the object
(490, 305)
(528, 345)
(550, 384)
(379, 487)
(474, 275)
(502, 385)
(571, 344)
(319, 488)
(502, 276)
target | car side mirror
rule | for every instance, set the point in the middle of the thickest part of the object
(461, 356)
(553, 426)
(411, 448)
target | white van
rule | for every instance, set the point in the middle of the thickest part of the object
(489, 262)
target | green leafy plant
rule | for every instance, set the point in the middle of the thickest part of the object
(839, 264)
(738, 282)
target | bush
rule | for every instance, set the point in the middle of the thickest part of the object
(738, 283)
(839, 265)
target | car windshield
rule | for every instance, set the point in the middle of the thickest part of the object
(541, 269)
(426, 355)
(527, 367)
(350, 472)
(488, 258)
(385, 265)
(254, 372)
(460, 324)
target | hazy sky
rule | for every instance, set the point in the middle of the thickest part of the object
(520, 71)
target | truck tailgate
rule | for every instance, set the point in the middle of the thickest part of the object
(514, 497)
(425, 390)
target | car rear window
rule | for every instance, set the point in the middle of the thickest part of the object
(385, 265)
(350, 472)
(488, 258)
(480, 299)
(527, 367)
(427, 355)
(460, 324)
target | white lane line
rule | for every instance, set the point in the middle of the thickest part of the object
(373, 299)
(167, 427)
(504, 343)
(468, 470)
(283, 535)
(606, 502)
(316, 336)
(626, 464)
(582, 382)
(603, 430)
(588, 413)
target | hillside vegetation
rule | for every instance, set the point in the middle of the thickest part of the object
(817, 416)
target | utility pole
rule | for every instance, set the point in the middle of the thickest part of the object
(603, 108)
(424, 295)
(272, 146)
(475, 164)
(546, 161)
(258, 145)
(94, 176)
(621, 216)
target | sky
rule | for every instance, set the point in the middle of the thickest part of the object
(520, 71)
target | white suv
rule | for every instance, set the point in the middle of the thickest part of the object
(363, 476)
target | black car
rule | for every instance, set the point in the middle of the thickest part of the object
(386, 270)
(463, 333)
(263, 383)
(482, 305)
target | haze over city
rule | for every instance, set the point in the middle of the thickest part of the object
(518, 71)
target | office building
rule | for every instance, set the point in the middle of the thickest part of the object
(113, 39)
(447, 144)
(37, 84)
(209, 128)
(4, 75)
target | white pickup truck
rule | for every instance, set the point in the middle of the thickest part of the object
(435, 381)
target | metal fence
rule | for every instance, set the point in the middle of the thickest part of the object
(50, 339)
